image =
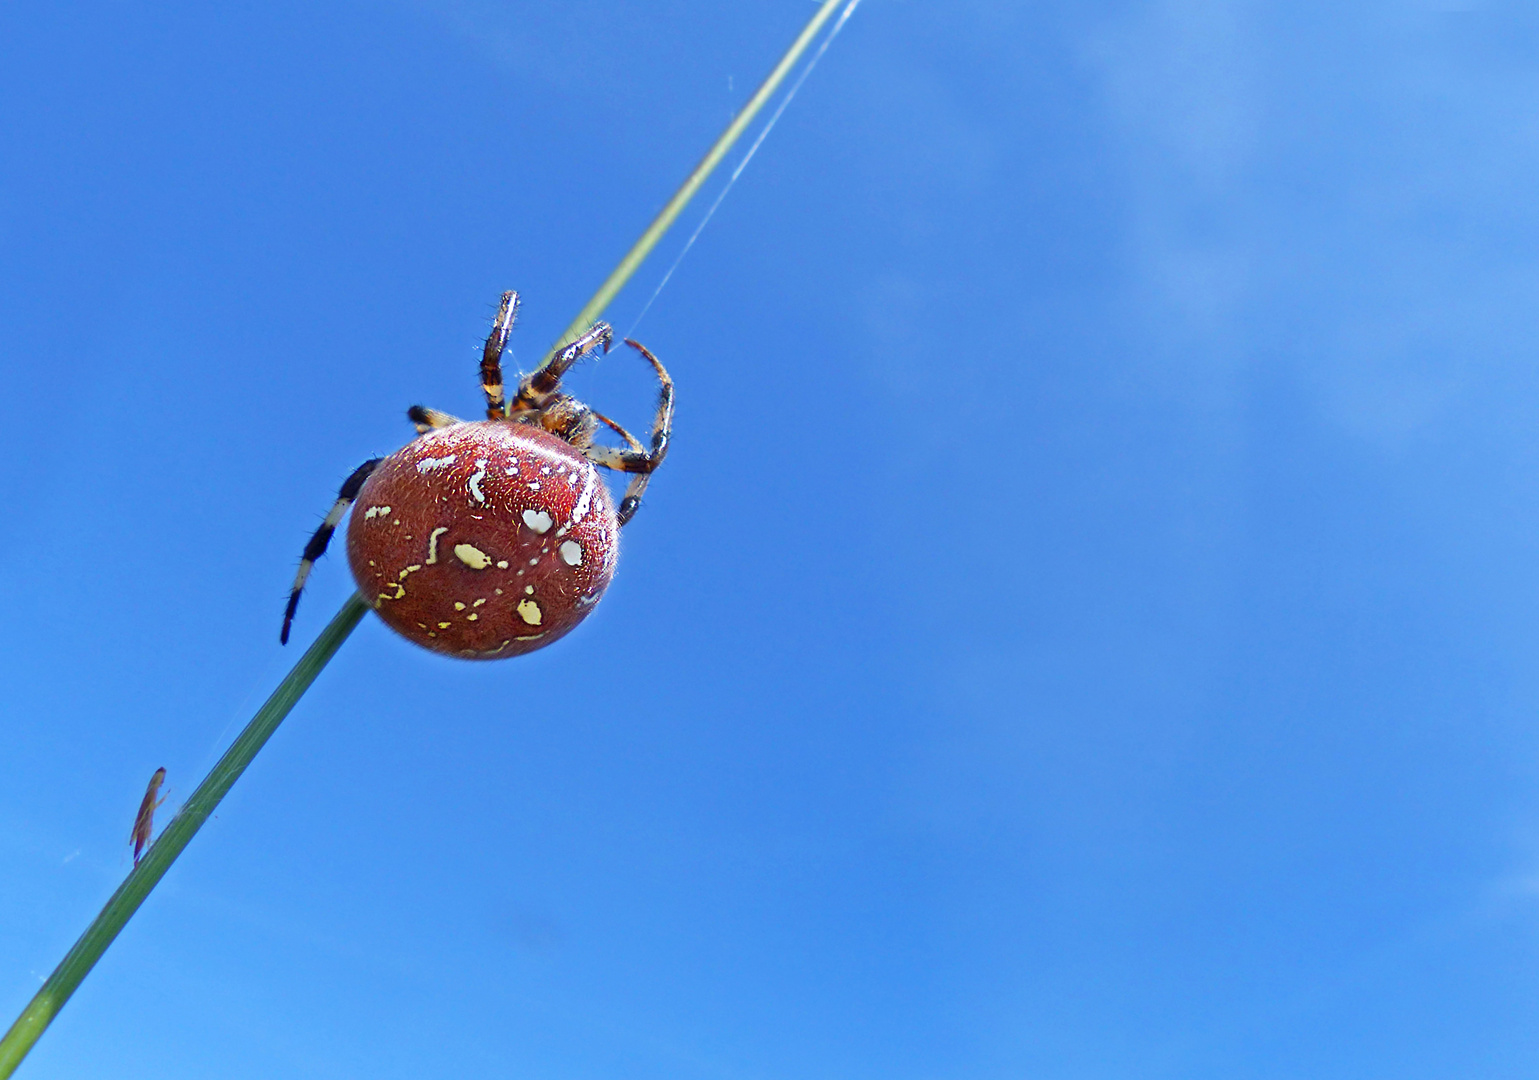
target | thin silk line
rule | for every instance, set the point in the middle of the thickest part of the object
(741, 165)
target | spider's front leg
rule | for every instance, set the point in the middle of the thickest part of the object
(536, 389)
(491, 356)
(635, 460)
(317, 545)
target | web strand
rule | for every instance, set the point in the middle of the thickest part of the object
(743, 164)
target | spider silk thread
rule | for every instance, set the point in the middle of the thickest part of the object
(769, 125)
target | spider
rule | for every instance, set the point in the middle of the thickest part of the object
(492, 538)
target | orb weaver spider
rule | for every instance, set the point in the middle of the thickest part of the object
(491, 538)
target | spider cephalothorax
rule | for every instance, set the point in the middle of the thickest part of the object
(491, 538)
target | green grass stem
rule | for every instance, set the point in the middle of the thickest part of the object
(639, 251)
(46, 1004)
(82, 956)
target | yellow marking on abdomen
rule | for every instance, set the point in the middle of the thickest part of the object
(433, 545)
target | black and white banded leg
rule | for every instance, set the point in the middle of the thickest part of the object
(635, 460)
(317, 545)
(491, 356)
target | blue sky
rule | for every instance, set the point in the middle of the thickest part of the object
(1085, 626)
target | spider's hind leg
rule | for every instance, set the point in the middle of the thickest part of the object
(317, 545)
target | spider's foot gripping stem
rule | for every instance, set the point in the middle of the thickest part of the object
(537, 388)
(317, 545)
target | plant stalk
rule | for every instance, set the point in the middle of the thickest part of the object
(639, 251)
(46, 1004)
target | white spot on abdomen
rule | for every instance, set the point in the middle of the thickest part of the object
(571, 552)
(529, 611)
(475, 481)
(581, 510)
(429, 464)
(538, 520)
(377, 511)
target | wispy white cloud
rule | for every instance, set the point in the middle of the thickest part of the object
(1342, 203)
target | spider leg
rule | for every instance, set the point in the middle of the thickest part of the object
(317, 545)
(427, 419)
(662, 423)
(618, 430)
(635, 460)
(536, 388)
(630, 461)
(491, 356)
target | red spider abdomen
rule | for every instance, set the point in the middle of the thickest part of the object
(484, 540)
